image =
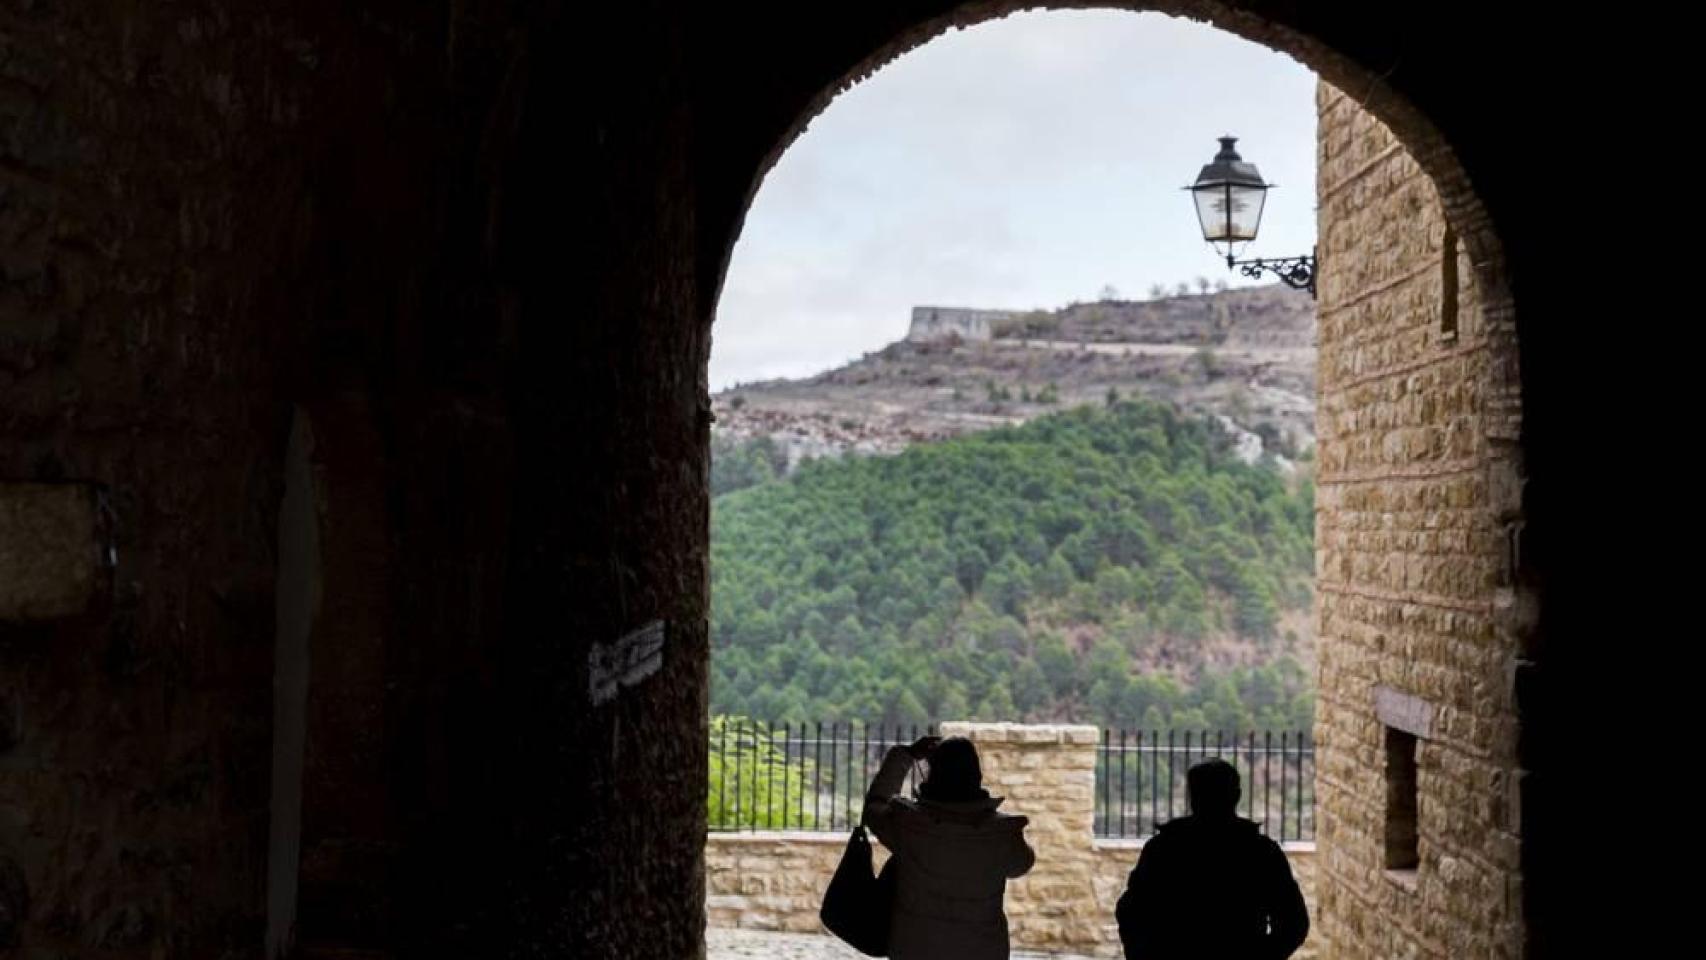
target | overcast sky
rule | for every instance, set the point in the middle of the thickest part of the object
(1022, 163)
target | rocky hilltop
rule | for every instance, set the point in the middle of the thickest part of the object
(1245, 356)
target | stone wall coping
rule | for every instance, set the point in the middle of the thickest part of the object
(823, 837)
(1022, 732)
(1133, 843)
(780, 836)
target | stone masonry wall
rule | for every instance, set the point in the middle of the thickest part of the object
(940, 323)
(775, 881)
(1417, 508)
(216, 212)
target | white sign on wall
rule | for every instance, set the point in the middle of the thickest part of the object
(624, 663)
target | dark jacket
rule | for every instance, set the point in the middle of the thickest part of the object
(952, 863)
(1211, 890)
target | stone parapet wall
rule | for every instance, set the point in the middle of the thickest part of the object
(775, 880)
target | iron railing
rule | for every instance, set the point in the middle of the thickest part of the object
(797, 776)
(1140, 779)
(812, 776)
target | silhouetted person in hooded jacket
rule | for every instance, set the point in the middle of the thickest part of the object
(1210, 886)
(954, 853)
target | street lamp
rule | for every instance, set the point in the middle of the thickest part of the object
(1229, 195)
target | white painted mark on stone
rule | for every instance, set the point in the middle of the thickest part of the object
(624, 663)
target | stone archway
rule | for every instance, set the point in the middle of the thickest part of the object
(512, 220)
(1424, 615)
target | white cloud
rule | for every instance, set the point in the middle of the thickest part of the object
(1020, 163)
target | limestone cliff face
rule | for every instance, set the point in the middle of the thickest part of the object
(1245, 356)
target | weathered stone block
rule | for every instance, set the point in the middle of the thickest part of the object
(56, 551)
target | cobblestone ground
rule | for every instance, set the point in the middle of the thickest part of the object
(761, 945)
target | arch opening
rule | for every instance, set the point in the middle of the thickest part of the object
(1395, 304)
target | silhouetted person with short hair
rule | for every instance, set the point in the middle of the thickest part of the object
(1210, 886)
(954, 852)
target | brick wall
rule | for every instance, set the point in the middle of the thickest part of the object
(1415, 510)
